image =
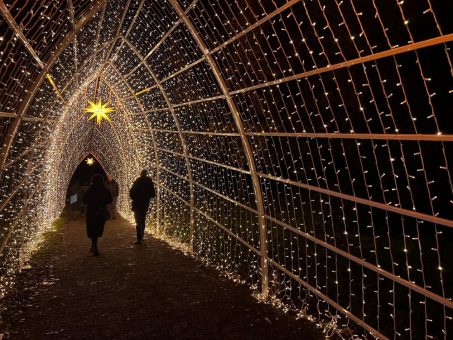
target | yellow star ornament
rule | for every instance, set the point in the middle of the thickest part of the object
(90, 161)
(99, 111)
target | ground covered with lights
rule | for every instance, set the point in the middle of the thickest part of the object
(152, 291)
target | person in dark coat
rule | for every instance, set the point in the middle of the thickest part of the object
(141, 192)
(96, 198)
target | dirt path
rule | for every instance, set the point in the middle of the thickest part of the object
(134, 292)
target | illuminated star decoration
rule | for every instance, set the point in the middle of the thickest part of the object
(99, 110)
(90, 161)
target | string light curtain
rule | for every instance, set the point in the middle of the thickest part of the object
(303, 148)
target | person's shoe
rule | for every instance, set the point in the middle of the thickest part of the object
(96, 253)
(138, 242)
(91, 249)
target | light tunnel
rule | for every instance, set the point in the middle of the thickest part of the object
(302, 147)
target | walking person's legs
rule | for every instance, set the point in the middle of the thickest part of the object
(141, 227)
(94, 246)
(140, 220)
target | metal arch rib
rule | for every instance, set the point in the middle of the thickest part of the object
(153, 138)
(77, 121)
(90, 81)
(244, 139)
(12, 130)
(27, 118)
(16, 28)
(123, 107)
(118, 31)
(73, 22)
(181, 137)
(115, 131)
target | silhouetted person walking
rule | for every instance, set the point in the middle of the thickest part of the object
(114, 189)
(141, 193)
(96, 198)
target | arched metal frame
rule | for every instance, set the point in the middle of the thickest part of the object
(45, 66)
(181, 138)
(153, 137)
(246, 136)
(245, 144)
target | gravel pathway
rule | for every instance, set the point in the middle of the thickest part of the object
(149, 291)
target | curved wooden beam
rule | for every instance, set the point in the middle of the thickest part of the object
(12, 129)
(153, 139)
(244, 139)
(180, 135)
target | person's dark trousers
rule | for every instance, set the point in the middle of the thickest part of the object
(94, 246)
(140, 220)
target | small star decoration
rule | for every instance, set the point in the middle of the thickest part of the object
(90, 161)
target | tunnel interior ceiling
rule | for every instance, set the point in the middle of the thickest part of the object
(302, 147)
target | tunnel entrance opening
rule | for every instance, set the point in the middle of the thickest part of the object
(81, 178)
